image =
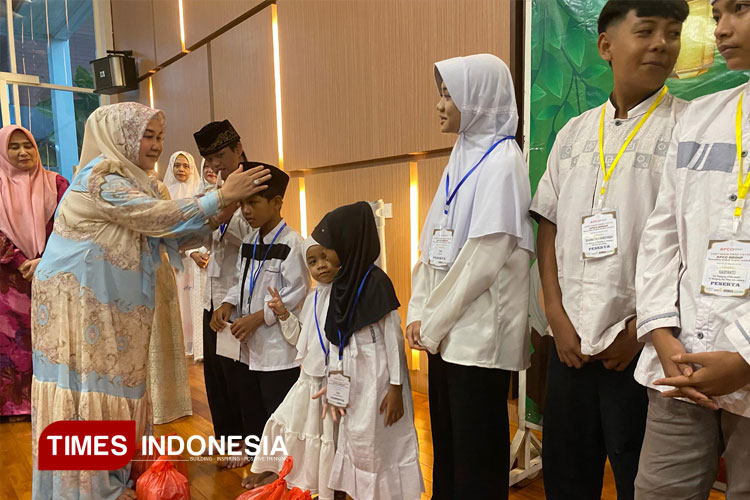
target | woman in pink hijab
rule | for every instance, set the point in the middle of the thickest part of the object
(29, 195)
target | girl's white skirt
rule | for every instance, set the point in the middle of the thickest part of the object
(308, 439)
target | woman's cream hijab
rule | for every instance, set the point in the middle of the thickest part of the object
(115, 132)
(178, 189)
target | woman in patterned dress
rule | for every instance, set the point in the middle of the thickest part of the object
(93, 296)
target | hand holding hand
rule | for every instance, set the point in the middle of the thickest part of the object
(247, 325)
(667, 346)
(720, 373)
(622, 351)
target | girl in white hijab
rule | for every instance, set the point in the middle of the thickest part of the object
(184, 181)
(469, 303)
(200, 257)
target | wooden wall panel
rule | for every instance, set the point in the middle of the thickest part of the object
(203, 17)
(243, 85)
(139, 95)
(328, 190)
(166, 29)
(133, 29)
(357, 75)
(290, 211)
(181, 91)
(429, 173)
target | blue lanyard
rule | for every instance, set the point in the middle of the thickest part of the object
(253, 275)
(317, 325)
(223, 229)
(448, 196)
(351, 313)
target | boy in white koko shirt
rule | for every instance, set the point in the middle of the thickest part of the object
(692, 286)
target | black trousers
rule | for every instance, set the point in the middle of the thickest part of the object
(240, 400)
(591, 414)
(469, 418)
(264, 392)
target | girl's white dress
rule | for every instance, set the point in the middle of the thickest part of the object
(372, 461)
(307, 437)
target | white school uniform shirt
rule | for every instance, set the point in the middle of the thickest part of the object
(696, 204)
(599, 294)
(284, 269)
(476, 312)
(306, 335)
(222, 262)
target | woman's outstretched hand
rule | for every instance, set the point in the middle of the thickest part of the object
(241, 184)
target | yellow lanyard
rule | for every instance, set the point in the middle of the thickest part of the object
(742, 186)
(608, 171)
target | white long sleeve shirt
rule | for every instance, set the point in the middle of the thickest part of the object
(476, 313)
(306, 335)
(222, 263)
(695, 204)
(284, 269)
(599, 294)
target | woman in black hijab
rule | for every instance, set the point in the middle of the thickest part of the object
(377, 457)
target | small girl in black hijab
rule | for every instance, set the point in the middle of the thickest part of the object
(377, 456)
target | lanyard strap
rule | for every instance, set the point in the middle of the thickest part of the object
(351, 313)
(253, 275)
(223, 228)
(448, 195)
(326, 352)
(743, 185)
(608, 171)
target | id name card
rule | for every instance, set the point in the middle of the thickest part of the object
(337, 393)
(599, 235)
(726, 272)
(440, 248)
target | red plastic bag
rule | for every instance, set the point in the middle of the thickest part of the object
(141, 463)
(274, 491)
(162, 482)
(297, 494)
(722, 475)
